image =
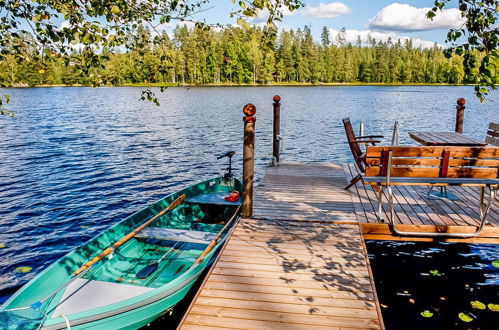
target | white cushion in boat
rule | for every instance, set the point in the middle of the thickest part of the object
(179, 235)
(83, 295)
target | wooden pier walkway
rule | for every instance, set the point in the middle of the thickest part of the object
(300, 263)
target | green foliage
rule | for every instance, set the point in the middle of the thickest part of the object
(480, 33)
(234, 55)
(5, 99)
(90, 26)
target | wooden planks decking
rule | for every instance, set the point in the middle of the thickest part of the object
(307, 192)
(299, 264)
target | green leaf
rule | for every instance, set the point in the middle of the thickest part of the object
(478, 304)
(426, 313)
(242, 23)
(465, 317)
(115, 10)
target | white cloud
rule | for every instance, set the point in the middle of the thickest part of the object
(326, 10)
(351, 36)
(403, 17)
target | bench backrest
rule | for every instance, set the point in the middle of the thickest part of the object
(492, 137)
(434, 162)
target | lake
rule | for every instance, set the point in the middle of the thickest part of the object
(76, 160)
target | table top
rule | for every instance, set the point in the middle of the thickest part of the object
(445, 139)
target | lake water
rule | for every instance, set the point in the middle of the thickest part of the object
(436, 285)
(73, 161)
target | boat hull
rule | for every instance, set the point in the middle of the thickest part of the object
(140, 309)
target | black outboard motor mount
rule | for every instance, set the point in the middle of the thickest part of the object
(228, 171)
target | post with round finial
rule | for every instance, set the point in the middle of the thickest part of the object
(249, 120)
(460, 114)
(277, 130)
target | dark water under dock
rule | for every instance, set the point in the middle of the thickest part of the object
(436, 285)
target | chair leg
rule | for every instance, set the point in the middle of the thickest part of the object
(390, 201)
(353, 182)
(379, 213)
(485, 207)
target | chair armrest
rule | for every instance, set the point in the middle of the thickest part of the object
(370, 137)
(364, 141)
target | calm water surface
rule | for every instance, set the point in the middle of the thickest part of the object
(74, 161)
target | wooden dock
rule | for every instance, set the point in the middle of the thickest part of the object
(301, 262)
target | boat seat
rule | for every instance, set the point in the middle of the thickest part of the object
(83, 295)
(179, 235)
(217, 198)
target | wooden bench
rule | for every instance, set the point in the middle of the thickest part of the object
(433, 166)
(492, 137)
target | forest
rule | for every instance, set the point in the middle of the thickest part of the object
(235, 55)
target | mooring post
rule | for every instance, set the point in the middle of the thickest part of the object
(277, 129)
(460, 114)
(249, 120)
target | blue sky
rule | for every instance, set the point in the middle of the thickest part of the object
(379, 18)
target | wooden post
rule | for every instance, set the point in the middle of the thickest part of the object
(248, 159)
(277, 129)
(460, 114)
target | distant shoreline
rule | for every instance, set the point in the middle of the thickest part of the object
(241, 85)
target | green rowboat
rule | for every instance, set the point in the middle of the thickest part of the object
(138, 280)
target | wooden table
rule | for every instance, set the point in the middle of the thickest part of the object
(445, 139)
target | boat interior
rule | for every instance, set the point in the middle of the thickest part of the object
(173, 241)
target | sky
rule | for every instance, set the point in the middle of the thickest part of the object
(378, 18)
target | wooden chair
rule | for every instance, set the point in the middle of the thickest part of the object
(358, 155)
(492, 136)
(433, 166)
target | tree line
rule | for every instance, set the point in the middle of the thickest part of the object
(240, 56)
